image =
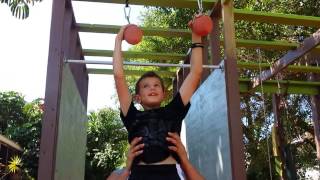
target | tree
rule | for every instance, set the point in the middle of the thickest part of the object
(20, 8)
(256, 124)
(106, 143)
(11, 109)
(23, 125)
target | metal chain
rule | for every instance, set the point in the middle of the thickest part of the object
(264, 113)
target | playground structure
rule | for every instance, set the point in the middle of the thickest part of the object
(67, 85)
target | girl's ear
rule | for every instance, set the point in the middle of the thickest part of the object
(137, 98)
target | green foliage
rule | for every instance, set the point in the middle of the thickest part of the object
(20, 8)
(106, 143)
(297, 115)
(23, 125)
(106, 140)
(11, 110)
(256, 125)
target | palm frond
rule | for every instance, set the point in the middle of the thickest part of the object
(6, 1)
(19, 9)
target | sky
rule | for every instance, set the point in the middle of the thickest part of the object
(24, 48)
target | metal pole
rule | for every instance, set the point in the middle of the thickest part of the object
(140, 64)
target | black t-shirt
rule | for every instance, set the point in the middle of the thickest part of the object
(153, 126)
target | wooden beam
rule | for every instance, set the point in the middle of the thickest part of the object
(232, 93)
(207, 4)
(290, 68)
(315, 103)
(245, 43)
(10, 143)
(288, 87)
(136, 55)
(315, 106)
(113, 29)
(268, 45)
(307, 45)
(279, 141)
(276, 18)
(225, 1)
(215, 41)
(239, 14)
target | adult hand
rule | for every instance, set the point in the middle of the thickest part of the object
(187, 167)
(134, 150)
(177, 147)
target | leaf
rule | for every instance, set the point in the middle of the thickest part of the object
(19, 9)
(14, 164)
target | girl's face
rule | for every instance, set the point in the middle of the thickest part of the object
(151, 93)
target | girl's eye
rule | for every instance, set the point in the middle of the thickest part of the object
(145, 86)
(156, 85)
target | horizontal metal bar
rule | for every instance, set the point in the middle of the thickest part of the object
(140, 64)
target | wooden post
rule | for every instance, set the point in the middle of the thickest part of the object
(315, 106)
(52, 94)
(278, 106)
(233, 93)
(313, 59)
(215, 35)
(64, 43)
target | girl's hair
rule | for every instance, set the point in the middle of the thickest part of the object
(147, 75)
